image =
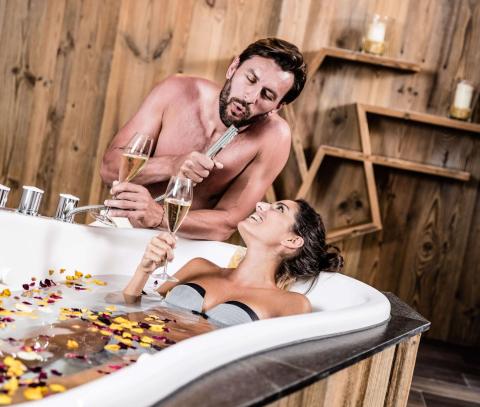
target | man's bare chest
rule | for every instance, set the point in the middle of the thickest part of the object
(182, 138)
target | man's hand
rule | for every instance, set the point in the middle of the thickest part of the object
(197, 166)
(135, 203)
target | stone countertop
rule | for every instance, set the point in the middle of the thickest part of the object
(270, 375)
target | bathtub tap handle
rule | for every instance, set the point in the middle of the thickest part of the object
(3, 195)
(31, 200)
(66, 204)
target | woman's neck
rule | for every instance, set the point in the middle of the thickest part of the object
(258, 268)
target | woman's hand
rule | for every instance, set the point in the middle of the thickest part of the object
(157, 252)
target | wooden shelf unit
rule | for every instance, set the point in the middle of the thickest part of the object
(369, 159)
(366, 156)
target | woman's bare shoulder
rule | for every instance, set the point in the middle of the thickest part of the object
(198, 266)
(297, 303)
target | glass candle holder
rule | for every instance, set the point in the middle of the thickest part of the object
(375, 34)
(461, 107)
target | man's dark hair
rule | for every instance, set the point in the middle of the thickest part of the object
(286, 55)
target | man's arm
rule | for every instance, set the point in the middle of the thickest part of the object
(147, 120)
(240, 199)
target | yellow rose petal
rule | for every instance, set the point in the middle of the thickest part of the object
(156, 328)
(106, 333)
(126, 341)
(78, 274)
(57, 388)
(146, 339)
(112, 347)
(51, 271)
(5, 400)
(71, 344)
(5, 312)
(111, 308)
(33, 393)
(11, 386)
(5, 293)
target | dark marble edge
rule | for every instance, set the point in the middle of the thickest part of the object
(399, 310)
(301, 384)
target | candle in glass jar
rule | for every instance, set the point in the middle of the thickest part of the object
(376, 31)
(463, 95)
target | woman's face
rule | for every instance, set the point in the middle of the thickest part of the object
(270, 224)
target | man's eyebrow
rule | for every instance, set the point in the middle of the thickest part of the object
(251, 71)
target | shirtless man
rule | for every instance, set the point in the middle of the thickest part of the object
(186, 115)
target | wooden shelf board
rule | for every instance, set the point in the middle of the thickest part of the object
(356, 56)
(397, 163)
(421, 117)
(351, 231)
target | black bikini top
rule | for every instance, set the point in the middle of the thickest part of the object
(192, 296)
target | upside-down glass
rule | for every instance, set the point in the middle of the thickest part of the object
(178, 199)
(134, 157)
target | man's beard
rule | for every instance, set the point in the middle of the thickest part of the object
(225, 101)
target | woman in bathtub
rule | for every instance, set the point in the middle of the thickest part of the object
(285, 242)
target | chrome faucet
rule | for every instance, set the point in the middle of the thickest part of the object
(66, 204)
(3, 195)
(30, 201)
(82, 209)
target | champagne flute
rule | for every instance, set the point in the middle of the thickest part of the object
(178, 199)
(134, 157)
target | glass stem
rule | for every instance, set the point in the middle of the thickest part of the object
(165, 267)
(107, 210)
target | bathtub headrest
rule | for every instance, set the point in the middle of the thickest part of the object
(335, 291)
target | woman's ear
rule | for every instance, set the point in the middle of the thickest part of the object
(232, 68)
(293, 242)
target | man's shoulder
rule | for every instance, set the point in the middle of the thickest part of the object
(179, 85)
(275, 127)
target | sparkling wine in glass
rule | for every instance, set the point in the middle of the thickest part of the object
(178, 199)
(134, 157)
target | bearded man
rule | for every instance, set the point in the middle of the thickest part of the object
(186, 115)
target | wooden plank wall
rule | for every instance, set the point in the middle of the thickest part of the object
(73, 72)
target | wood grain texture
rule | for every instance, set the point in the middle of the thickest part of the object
(374, 382)
(73, 72)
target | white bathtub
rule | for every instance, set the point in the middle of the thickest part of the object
(30, 246)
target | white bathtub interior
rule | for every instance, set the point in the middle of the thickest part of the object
(30, 246)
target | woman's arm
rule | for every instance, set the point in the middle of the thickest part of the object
(159, 250)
